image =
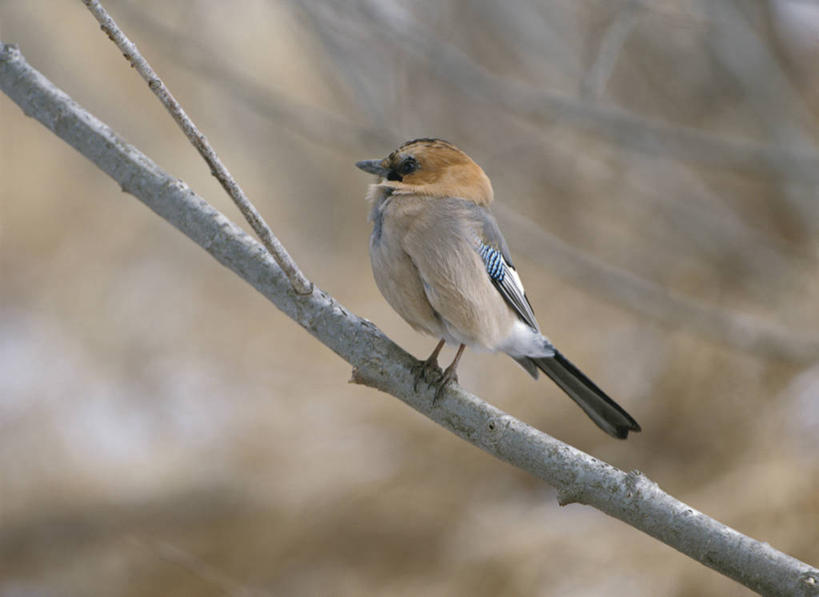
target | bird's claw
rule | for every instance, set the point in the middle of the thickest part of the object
(432, 375)
(447, 378)
(427, 371)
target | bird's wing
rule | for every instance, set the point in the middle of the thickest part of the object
(494, 252)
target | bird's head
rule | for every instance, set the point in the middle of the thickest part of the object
(431, 168)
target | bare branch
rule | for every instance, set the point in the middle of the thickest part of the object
(300, 283)
(379, 363)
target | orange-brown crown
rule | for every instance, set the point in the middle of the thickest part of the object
(432, 168)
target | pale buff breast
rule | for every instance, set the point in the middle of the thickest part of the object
(426, 266)
(395, 274)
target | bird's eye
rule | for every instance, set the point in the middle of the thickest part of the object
(409, 166)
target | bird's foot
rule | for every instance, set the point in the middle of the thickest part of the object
(427, 371)
(448, 377)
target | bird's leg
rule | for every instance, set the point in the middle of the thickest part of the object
(429, 367)
(450, 375)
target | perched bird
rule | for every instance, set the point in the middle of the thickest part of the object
(441, 262)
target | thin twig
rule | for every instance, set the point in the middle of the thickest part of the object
(300, 283)
(379, 363)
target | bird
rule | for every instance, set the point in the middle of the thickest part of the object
(439, 258)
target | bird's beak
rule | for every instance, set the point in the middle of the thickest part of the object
(373, 167)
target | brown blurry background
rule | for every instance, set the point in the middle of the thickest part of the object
(165, 430)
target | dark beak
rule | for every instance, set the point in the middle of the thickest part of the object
(373, 167)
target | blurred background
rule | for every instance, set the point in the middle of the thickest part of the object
(165, 430)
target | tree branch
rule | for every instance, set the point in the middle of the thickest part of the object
(200, 142)
(379, 363)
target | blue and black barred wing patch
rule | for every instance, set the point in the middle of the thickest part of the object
(494, 262)
(508, 283)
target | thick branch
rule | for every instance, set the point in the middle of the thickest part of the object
(381, 364)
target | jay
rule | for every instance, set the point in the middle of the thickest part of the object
(440, 260)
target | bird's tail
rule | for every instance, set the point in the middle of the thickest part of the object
(605, 412)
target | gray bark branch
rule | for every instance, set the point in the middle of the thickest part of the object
(379, 363)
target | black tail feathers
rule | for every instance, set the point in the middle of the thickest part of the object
(605, 412)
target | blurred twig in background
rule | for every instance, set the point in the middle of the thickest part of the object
(594, 83)
(651, 300)
(397, 24)
(208, 573)
(741, 52)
